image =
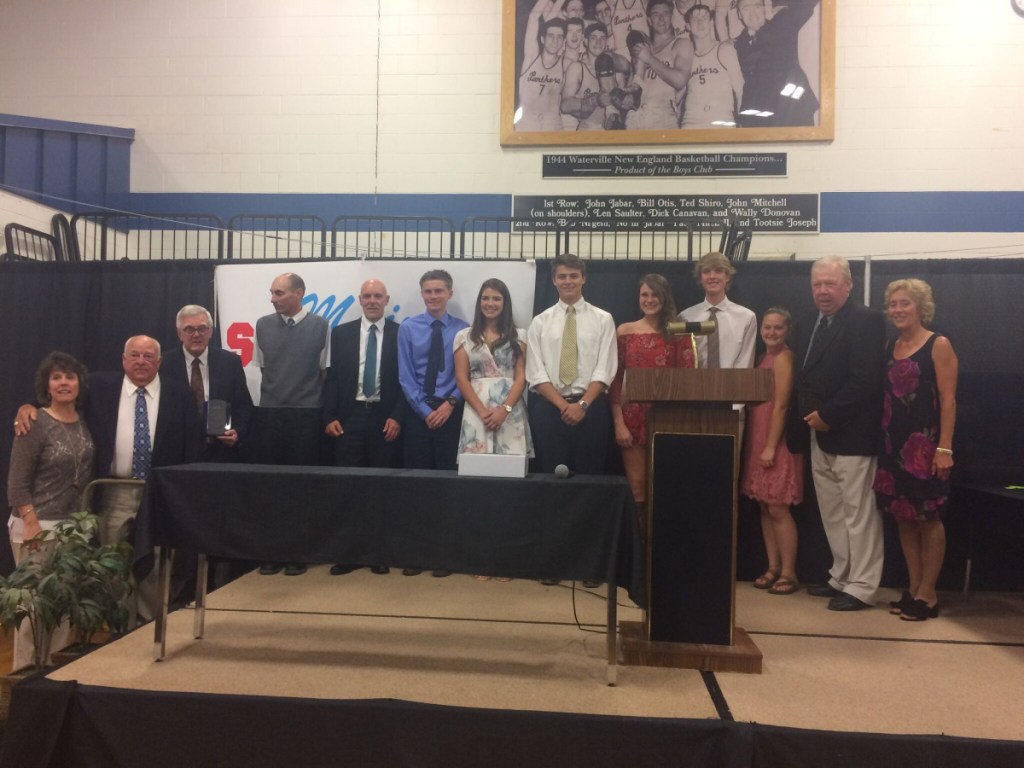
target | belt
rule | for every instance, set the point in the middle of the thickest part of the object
(435, 402)
(367, 404)
(572, 398)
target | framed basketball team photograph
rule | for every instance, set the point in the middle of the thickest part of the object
(577, 72)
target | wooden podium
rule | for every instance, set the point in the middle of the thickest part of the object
(693, 465)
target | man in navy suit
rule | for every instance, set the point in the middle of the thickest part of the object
(363, 409)
(838, 414)
(211, 374)
(363, 403)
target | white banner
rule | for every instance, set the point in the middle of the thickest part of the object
(332, 290)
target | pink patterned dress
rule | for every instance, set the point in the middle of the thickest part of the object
(783, 482)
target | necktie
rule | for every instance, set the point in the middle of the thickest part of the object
(819, 334)
(370, 366)
(435, 358)
(714, 357)
(196, 384)
(141, 449)
(291, 322)
(567, 363)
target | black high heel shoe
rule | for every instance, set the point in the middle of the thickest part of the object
(901, 605)
(919, 610)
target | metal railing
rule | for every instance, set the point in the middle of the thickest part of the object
(276, 236)
(502, 237)
(137, 237)
(392, 237)
(27, 244)
(99, 236)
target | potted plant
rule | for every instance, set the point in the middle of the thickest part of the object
(98, 578)
(82, 580)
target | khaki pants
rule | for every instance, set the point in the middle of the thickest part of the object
(117, 510)
(852, 523)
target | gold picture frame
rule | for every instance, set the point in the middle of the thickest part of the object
(516, 20)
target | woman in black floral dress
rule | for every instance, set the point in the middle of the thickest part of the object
(912, 482)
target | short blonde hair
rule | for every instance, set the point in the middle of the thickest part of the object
(920, 293)
(711, 261)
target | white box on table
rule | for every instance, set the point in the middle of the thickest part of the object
(492, 465)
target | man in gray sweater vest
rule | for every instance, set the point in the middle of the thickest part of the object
(290, 348)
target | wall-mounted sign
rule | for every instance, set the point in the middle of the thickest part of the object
(687, 165)
(765, 213)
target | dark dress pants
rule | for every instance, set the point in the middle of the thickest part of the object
(288, 436)
(427, 448)
(362, 443)
(582, 448)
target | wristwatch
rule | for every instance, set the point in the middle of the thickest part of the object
(507, 407)
(584, 404)
(452, 401)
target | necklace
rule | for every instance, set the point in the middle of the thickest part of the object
(77, 450)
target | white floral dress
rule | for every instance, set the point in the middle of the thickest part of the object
(491, 376)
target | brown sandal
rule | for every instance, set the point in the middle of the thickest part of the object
(767, 579)
(784, 585)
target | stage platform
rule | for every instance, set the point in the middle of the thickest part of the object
(389, 670)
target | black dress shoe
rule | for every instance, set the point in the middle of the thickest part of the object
(550, 582)
(411, 571)
(269, 569)
(294, 569)
(591, 584)
(341, 570)
(380, 570)
(823, 590)
(440, 574)
(845, 602)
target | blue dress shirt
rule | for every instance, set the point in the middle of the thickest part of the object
(413, 351)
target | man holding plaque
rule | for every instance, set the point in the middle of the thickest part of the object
(217, 381)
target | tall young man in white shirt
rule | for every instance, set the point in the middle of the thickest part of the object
(737, 326)
(570, 420)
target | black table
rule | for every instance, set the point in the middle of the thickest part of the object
(991, 511)
(536, 527)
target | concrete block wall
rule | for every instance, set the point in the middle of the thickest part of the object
(388, 97)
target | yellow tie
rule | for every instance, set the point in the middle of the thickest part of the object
(567, 363)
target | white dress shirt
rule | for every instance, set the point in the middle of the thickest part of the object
(737, 332)
(597, 350)
(124, 439)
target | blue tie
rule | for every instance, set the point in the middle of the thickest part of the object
(435, 359)
(142, 452)
(370, 366)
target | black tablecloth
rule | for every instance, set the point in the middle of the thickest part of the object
(540, 526)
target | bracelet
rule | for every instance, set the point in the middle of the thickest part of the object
(947, 451)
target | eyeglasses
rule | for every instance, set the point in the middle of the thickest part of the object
(193, 330)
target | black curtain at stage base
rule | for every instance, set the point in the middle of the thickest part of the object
(90, 309)
(66, 724)
(87, 310)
